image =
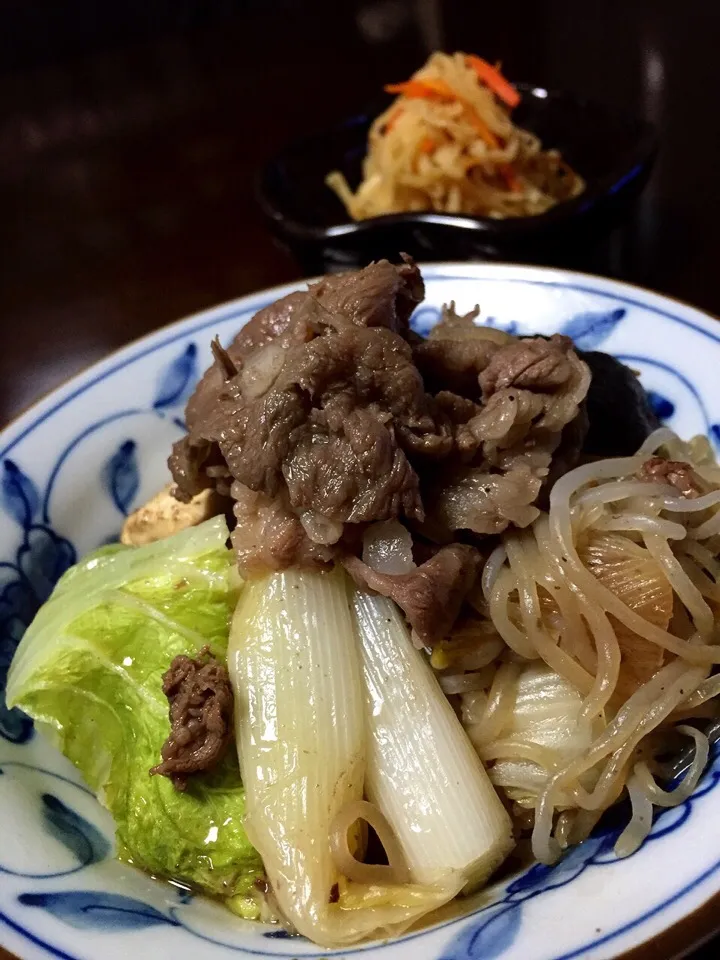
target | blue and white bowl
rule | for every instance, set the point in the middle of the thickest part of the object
(76, 464)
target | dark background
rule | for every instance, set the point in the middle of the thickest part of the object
(130, 135)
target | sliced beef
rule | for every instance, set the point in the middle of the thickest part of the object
(430, 596)
(456, 352)
(534, 363)
(456, 363)
(460, 413)
(676, 473)
(382, 295)
(327, 432)
(188, 463)
(286, 321)
(533, 394)
(325, 414)
(269, 535)
(201, 717)
(618, 408)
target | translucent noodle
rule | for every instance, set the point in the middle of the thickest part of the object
(641, 821)
(510, 749)
(608, 661)
(662, 528)
(682, 585)
(671, 798)
(521, 557)
(630, 625)
(491, 569)
(581, 578)
(707, 690)
(499, 705)
(500, 614)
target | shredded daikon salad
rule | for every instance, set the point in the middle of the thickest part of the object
(448, 143)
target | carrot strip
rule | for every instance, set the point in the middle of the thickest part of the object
(493, 79)
(431, 89)
(427, 145)
(422, 89)
(508, 175)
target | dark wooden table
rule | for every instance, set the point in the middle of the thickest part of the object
(130, 135)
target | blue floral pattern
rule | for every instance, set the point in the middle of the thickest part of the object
(122, 477)
(76, 833)
(177, 382)
(85, 842)
(589, 330)
(40, 561)
(500, 923)
(43, 555)
(661, 406)
(19, 495)
(95, 910)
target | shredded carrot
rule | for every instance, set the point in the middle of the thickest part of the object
(427, 145)
(492, 78)
(511, 181)
(429, 89)
(482, 128)
(422, 89)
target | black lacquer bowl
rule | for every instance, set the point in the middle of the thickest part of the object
(613, 153)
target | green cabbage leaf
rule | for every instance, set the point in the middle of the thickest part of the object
(89, 671)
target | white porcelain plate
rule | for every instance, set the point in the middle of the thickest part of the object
(73, 466)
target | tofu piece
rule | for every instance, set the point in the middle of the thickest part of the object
(163, 515)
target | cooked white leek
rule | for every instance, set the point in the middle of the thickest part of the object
(422, 772)
(295, 667)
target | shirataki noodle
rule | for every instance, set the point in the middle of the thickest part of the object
(553, 602)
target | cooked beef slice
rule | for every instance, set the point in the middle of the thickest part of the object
(331, 427)
(533, 363)
(381, 295)
(456, 352)
(474, 499)
(429, 596)
(533, 390)
(201, 717)
(269, 535)
(324, 415)
(676, 473)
